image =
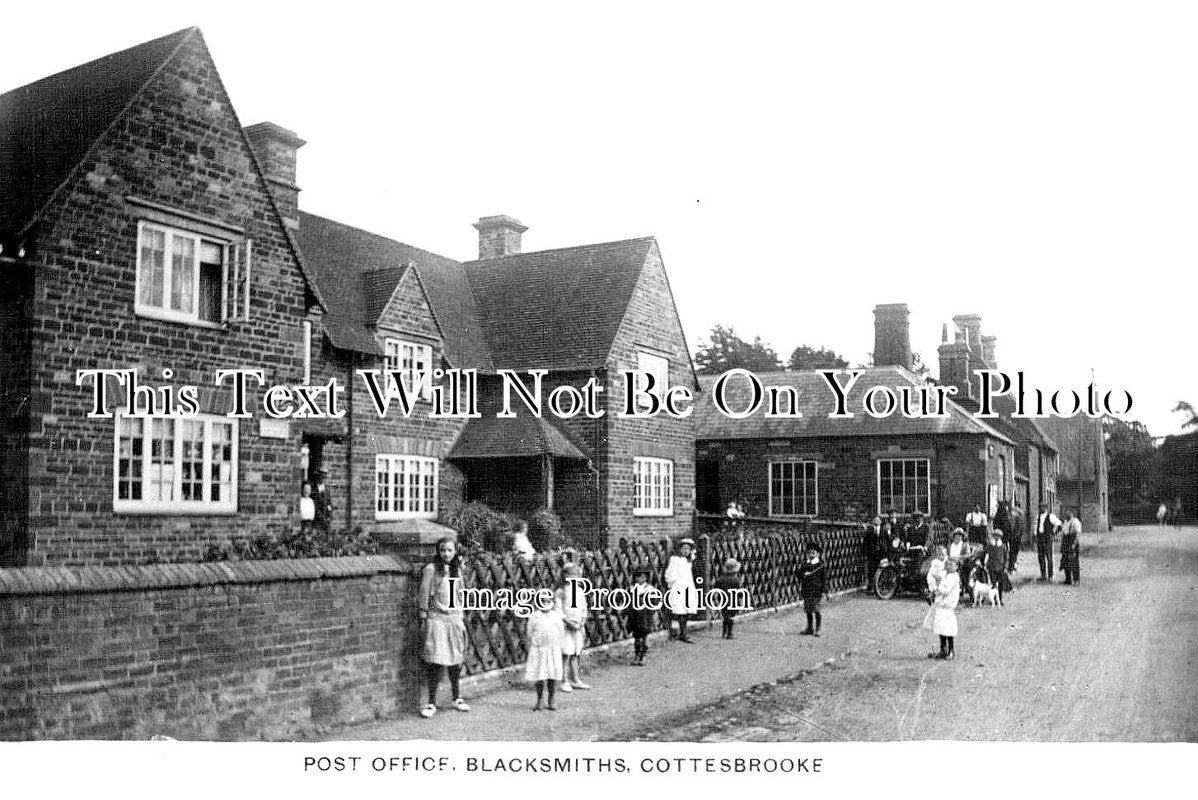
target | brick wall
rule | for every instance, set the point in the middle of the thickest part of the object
(226, 651)
(650, 323)
(960, 469)
(179, 145)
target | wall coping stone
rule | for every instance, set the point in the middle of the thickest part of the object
(93, 579)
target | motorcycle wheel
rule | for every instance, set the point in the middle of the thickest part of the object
(886, 583)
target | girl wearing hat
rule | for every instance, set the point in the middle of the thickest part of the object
(681, 598)
(729, 579)
(444, 626)
(944, 611)
(813, 584)
(573, 605)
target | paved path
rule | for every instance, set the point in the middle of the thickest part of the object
(1115, 659)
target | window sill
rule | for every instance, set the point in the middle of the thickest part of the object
(166, 316)
(652, 512)
(393, 517)
(170, 509)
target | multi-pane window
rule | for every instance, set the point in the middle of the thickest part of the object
(405, 486)
(659, 368)
(654, 486)
(180, 275)
(794, 488)
(414, 363)
(904, 485)
(183, 466)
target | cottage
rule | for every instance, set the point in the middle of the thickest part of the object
(143, 229)
(821, 464)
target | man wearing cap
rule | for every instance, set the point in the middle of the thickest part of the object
(681, 598)
(876, 543)
(917, 531)
(1047, 526)
(322, 498)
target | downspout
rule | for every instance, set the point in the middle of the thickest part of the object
(349, 446)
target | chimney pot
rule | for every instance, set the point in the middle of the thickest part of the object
(498, 236)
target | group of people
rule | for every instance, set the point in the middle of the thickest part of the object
(556, 634)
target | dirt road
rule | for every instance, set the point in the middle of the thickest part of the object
(1113, 659)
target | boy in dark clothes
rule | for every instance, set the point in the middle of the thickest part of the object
(813, 578)
(729, 579)
(640, 615)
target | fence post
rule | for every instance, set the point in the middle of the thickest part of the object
(705, 550)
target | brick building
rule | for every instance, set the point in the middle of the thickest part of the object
(1037, 454)
(860, 466)
(143, 228)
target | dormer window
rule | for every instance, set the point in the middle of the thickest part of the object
(414, 362)
(184, 276)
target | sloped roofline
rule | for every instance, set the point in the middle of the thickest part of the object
(185, 35)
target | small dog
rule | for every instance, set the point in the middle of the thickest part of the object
(983, 591)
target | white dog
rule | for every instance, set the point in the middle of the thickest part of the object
(983, 592)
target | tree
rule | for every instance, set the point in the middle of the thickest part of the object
(1133, 468)
(1186, 408)
(724, 350)
(805, 357)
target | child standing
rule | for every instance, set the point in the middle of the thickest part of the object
(544, 665)
(944, 613)
(641, 613)
(728, 580)
(572, 601)
(813, 584)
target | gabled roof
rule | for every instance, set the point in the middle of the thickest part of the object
(552, 309)
(816, 401)
(1018, 428)
(492, 437)
(47, 127)
(556, 309)
(357, 272)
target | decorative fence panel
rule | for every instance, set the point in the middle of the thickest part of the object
(770, 552)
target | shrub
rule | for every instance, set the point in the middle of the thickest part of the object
(308, 542)
(545, 530)
(481, 527)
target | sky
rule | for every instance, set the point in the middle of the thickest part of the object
(1031, 162)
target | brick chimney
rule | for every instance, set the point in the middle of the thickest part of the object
(955, 361)
(988, 345)
(972, 325)
(275, 148)
(498, 236)
(892, 335)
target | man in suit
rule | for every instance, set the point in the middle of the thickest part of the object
(1047, 526)
(1016, 538)
(875, 545)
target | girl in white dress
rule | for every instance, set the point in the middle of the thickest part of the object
(944, 610)
(544, 665)
(681, 598)
(573, 604)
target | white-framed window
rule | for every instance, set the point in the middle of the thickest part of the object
(654, 484)
(414, 361)
(405, 487)
(905, 485)
(187, 277)
(175, 465)
(794, 488)
(659, 368)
